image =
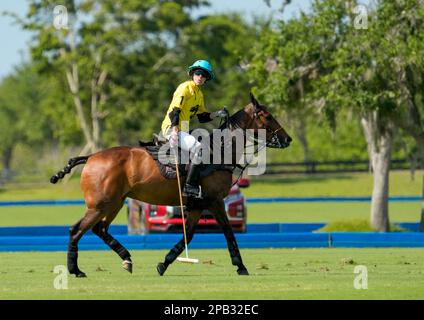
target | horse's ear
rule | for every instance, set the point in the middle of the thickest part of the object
(253, 100)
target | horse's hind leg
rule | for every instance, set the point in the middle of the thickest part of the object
(101, 230)
(92, 216)
(191, 223)
(221, 217)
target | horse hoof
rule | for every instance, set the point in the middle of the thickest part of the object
(242, 272)
(80, 275)
(77, 272)
(127, 265)
(161, 268)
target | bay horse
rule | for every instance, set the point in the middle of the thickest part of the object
(111, 175)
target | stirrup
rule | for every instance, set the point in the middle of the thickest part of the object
(192, 192)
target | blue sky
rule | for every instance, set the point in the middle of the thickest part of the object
(14, 49)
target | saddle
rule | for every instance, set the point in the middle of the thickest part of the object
(169, 171)
(158, 141)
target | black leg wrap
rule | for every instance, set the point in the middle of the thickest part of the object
(72, 261)
(124, 254)
(118, 248)
(242, 271)
(161, 268)
(174, 253)
(236, 261)
(234, 253)
(170, 257)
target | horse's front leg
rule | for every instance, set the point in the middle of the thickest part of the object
(192, 219)
(222, 219)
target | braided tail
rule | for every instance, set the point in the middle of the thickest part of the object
(71, 163)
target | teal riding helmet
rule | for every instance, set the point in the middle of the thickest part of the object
(204, 65)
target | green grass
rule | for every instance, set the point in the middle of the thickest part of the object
(327, 211)
(274, 274)
(347, 184)
(257, 213)
(47, 215)
(343, 184)
(43, 191)
(357, 184)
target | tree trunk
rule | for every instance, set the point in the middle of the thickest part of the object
(97, 100)
(413, 164)
(379, 139)
(92, 134)
(380, 193)
(301, 135)
(6, 161)
(74, 88)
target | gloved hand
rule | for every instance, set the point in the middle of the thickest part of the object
(223, 113)
(173, 140)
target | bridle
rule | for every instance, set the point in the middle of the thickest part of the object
(274, 141)
(232, 123)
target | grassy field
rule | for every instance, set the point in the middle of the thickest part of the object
(341, 184)
(357, 184)
(257, 213)
(274, 274)
(346, 184)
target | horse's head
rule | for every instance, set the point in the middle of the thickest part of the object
(261, 118)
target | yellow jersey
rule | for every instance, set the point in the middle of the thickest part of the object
(189, 99)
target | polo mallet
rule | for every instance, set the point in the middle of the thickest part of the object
(186, 259)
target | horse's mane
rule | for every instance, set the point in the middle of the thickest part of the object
(238, 117)
(253, 108)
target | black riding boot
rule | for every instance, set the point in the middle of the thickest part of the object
(192, 188)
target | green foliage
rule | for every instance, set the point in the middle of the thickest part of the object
(143, 48)
(316, 73)
(318, 65)
(111, 52)
(23, 117)
(122, 60)
(353, 225)
(356, 225)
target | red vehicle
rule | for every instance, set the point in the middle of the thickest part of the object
(145, 218)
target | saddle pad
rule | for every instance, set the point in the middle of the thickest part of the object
(169, 170)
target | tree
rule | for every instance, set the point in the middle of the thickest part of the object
(371, 73)
(106, 54)
(224, 40)
(322, 62)
(289, 60)
(22, 119)
(399, 43)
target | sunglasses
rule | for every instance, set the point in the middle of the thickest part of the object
(202, 73)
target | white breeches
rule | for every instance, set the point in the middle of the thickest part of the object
(186, 141)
